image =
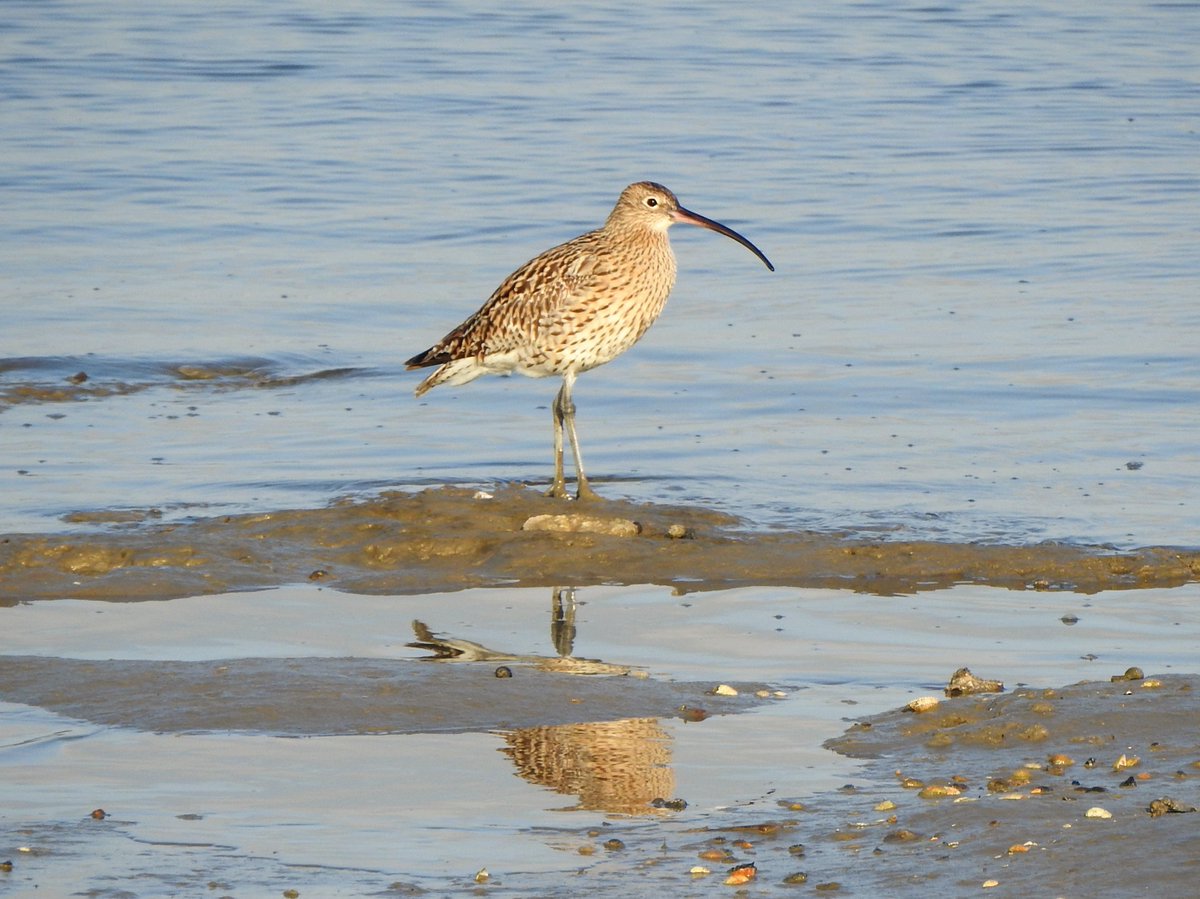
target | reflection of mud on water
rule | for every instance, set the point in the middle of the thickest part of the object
(448, 539)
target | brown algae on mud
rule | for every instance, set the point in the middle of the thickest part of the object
(450, 538)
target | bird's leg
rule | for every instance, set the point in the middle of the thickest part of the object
(559, 488)
(583, 490)
(562, 620)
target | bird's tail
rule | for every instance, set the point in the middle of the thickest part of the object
(432, 356)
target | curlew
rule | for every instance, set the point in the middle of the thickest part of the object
(574, 307)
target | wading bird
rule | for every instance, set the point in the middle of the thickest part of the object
(574, 307)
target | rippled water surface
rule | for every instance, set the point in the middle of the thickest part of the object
(984, 219)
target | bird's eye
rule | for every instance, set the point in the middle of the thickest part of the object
(651, 202)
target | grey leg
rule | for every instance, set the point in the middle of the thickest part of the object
(559, 487)
(583, 489)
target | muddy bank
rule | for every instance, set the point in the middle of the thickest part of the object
(449, 539)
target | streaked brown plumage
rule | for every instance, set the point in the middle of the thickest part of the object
(574, 307)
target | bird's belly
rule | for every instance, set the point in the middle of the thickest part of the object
(593, 336)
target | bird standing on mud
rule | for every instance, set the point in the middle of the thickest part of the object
(574, 307)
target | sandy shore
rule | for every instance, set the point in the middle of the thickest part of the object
(450, 539)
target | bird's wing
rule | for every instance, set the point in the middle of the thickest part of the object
(537, 300)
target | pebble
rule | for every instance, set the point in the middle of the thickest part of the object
(1131, 673)
(741, 874)
(922, 704)
(988, 884)
(964, 683)
(1096, 812)
(1166, 804)
(723, 690)
(582, 524)
(937, 791)
(1125, 761)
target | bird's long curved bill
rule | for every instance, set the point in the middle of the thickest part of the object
(694, 218)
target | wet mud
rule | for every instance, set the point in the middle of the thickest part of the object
(446, 539)
(1073, 791)
(324, 696)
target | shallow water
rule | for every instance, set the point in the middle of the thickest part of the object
(337, 814)
(982, 323)
(237, 220)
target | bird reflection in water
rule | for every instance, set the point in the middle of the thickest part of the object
(619, 767)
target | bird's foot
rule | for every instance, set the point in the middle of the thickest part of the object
(558, 490)
(584, 493)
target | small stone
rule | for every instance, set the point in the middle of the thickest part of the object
(922, 704)
(680, 532)
(503, 671)
(1132, 673)
(1151, 683)
(99, 814)
(1165, 805)
(582, 524)
(699, 871)
(740, 874)
(795, 879)
(964, 683)
(938, 791)
(988, 884)
(1096, 812)
(675, 805)
(482, 875)
(886, 806)
(1125, 761)
(723, 690)
(614, 845)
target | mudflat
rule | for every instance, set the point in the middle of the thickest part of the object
(451, 538)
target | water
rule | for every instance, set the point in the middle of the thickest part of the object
(333, 812)
(984, 221)
(237, 219)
